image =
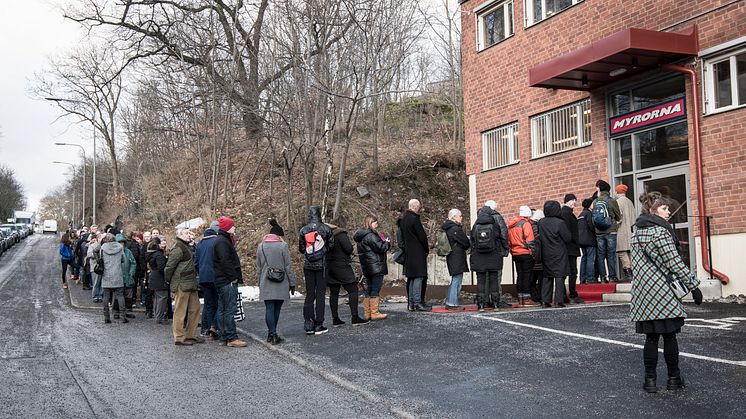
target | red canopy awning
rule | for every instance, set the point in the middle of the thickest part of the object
(617, 56)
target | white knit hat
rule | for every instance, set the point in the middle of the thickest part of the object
(524, 211)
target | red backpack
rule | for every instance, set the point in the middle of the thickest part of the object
(315, 247)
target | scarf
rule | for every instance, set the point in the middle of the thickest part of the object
(650, 220)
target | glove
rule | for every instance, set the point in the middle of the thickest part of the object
(697, 295)
(292, 290)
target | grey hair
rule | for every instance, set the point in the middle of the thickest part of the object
(108, 237)
(179, 231)
(414, 203)
(453, 213)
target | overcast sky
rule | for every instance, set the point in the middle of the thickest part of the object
(30, 32)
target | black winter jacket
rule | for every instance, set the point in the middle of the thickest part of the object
(586, 229)
(225, 262)
(315, 224)
(481, 261)
(157, 262)
(554, 237)
(339, 260)
(416, 247)
(135, 249)
(573, 248)
(456, 260)
(371, 250)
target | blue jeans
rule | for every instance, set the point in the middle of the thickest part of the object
(606, 252)
(415, 290)
(97, 291)
(226, 310)
(588, 264)
(374, 286)
(210, 296)
(454, 289)
(272, 314)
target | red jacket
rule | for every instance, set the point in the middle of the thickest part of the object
(521, 236)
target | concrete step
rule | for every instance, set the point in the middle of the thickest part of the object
(624, 287)
(617, 298)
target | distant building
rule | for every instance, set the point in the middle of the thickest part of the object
(560, 93)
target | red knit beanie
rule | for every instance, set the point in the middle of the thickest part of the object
(225, 223)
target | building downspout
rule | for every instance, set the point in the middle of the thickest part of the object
(706, 262)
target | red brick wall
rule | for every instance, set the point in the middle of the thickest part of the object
(496, 92)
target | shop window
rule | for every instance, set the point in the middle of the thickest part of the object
(725, 82)
(538, 10)
(561, 129)
(494, 23)
(500, 146)
(662, 146)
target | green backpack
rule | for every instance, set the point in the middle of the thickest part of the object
(442, 245)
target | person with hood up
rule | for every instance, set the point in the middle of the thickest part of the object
(146, 294)
(624, 233)
(522, 247)
(537, 273)
(654, 308)
(157, 279)
(606, 239)
(129, 266)
(314, 242)
(554, 237)
(274, 269)
(339, 274)
(112, 254)
(372, 247)
(486, 258)
(206, 276)
(573, 248)
(587, 242)
(227, 269)
(456, 260)
(182, 276)
(416, 249)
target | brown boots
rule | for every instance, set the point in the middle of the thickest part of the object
(527, 302)
(370, 308)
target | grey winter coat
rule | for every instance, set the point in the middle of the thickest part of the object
(113, 255)
(272, 252)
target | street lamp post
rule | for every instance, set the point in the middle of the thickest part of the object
(84, 177)
(93, 197)
(73, 211)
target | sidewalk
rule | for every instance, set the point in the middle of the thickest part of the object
(81, 299)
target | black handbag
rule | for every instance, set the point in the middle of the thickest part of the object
(273, 274)
(400, 256)
(98, 268)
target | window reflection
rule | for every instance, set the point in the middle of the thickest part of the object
(663, 145)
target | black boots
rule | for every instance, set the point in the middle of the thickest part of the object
(675, 383)
(337, 322)
(650, 385)
(422, 307)
(274, 338)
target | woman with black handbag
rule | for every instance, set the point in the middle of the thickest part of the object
(658, 273)
(274, 270)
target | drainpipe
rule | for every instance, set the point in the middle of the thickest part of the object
(706, 262)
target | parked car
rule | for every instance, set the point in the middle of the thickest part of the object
(49, 226)
(22, 230)
(10, 229)
(3, 242)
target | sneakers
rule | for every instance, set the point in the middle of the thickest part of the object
(357, 320)
(236, 343)
(320, 329)
(337, 322)
(308, 327)
(422, 307)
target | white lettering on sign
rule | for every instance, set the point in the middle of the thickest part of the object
(720, 324)
(652, 114)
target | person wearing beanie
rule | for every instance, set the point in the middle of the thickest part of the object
(573, 248)
(624, 234)
(522, 247)
(606, 239)
(275, 228)
(339, 273)
(182, 275)
(554, 237)
(226, 267)
(587, 242)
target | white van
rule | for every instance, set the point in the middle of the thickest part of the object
(50, 226)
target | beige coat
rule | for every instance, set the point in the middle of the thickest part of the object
(624, 234)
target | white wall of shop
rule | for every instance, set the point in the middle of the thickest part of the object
(728, 258)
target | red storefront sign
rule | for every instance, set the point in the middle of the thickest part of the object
(653, 115)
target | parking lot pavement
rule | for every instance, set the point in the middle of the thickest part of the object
(582, 361)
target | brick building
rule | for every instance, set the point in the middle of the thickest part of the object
(560, 93)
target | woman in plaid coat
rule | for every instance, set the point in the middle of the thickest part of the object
(654, 308)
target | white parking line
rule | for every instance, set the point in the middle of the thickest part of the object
(611, 341)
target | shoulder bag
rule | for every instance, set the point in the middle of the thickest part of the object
(273, 274)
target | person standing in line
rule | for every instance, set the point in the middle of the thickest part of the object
(624, 234)
(314, 241)
(587, 242)
(274, 268)
(182, 276)
(456, 260)
(486, 257)
(112, 279)
(573, 247)
(66, 257)
(134, 243)
(85, 266)
(372, 247)
(94, 247)
(654, 308)
(416, 249)
(495, 292)
(227, 269)
(157, 280)
(339, 274)
(522, 248)
(537, 273)
(203, 265)
(606, 238)
(554, 237)
(129, 267)
(146, 293)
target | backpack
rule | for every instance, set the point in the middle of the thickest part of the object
(442, 245)
(66, 253)
(98, 268)
(315, 247)
(600, 217)
(485, 238)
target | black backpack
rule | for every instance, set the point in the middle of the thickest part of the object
(484, 237)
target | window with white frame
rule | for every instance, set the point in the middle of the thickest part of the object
(500, 146)
(494, 23)
(538, 10)
(725, 82)
(561, 129)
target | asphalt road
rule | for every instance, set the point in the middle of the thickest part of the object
(584, 361)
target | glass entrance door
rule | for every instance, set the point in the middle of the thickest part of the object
(672, 183)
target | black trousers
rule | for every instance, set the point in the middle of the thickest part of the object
(523, 266)
(65, 264)
(352, 296)
(670, 354)
(536, 280)
(572, 280)
(314, 305)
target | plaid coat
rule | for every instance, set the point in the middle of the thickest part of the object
(654, 256)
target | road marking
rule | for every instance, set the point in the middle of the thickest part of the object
(571, 307)
(604, 340)
(720, 324)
